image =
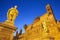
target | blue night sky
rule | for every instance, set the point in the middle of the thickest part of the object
(28, 10)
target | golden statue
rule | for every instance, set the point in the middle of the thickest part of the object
(11, 15)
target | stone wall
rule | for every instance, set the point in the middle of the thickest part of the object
(45, 27)
(7, 31)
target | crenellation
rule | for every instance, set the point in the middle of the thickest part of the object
(25, 26)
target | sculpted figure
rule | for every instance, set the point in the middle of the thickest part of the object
(45, 26)
(11, 15)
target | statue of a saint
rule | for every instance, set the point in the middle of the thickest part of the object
(11, 15)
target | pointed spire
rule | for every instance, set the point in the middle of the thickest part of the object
(25, 26)
(20, 32)
(17, 33)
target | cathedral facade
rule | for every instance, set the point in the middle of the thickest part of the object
(45, 27)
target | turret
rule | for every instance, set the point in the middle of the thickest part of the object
(49, 9)
(20, 32)
(50, 12)
(17, 34)
(25, 26)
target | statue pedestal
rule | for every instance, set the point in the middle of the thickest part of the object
(7, 31)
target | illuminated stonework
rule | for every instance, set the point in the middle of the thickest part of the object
(7, 31)
(45, 27)
(8, 28)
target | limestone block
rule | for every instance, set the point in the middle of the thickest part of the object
(7, 31)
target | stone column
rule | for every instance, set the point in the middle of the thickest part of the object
(7, 31)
